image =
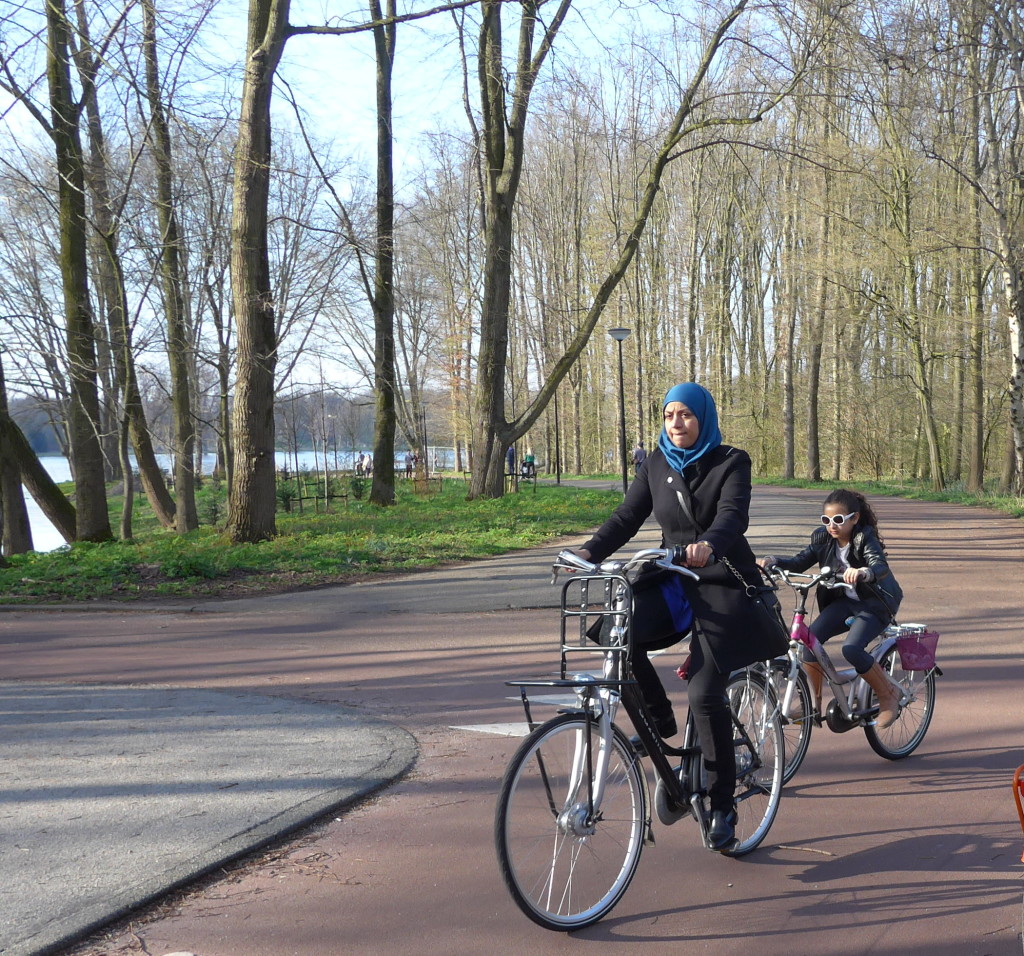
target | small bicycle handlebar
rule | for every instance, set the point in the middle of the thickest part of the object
(569, 562)
(799, 581)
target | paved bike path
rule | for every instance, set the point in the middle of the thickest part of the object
(110, 795)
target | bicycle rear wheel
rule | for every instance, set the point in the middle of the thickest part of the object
(565, 866)
(759, 762)
(798, 722)
(904, 736)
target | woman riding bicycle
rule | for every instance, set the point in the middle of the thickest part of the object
(699, 491)
(849, 543)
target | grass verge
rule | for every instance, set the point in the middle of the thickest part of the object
(310, 550)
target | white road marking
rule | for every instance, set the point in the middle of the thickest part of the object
(520, 729)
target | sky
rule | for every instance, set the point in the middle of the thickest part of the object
(333, 80)
(333, 77)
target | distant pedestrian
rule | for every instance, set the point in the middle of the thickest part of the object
(510, 460)
(639, 455)
(408, 464)
(360, 465)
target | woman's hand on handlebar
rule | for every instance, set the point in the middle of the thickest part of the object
(698, 555)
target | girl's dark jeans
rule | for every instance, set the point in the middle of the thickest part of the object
(869, 620)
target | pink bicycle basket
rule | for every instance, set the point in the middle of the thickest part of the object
(916, 648)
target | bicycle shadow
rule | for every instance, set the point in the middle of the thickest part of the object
(860, 911)
(936, 772)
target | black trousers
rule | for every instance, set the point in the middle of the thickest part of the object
(709, 706)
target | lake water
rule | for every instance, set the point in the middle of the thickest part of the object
(46, 538)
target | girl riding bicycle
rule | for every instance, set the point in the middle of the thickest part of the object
(849, 543)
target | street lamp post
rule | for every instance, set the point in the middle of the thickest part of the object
(620, 336)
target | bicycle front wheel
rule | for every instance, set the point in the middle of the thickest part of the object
(798, 721)
(760, 758)
(566, 863)
(902, 738)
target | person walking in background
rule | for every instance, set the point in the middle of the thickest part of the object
(848, 542)
(639, 456)
(510, 460)
(699, 491)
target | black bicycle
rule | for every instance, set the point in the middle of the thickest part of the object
(573, 813)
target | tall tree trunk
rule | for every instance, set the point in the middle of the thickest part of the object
(790, 311)
(382, 488)
(110, 277)
(15, 532)
(975, 285)
(503, 148)
(503, 143)
(252, 497)
(1008, 204)
(179, 341)
(92, 519)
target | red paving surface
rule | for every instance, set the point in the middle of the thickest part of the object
(921, 856)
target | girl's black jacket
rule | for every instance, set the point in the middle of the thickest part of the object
(865, 552)
(710, 502)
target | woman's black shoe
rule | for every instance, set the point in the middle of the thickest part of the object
(722, 831)
(666, 728)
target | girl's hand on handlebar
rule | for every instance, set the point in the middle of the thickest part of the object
(853, 575)
(767, 562)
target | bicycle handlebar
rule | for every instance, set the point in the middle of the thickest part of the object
(800, 581)
(569, 562)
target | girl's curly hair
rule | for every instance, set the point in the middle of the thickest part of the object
(855, 501)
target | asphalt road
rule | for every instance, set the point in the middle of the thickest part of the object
(867, 856)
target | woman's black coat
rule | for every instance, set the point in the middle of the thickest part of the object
(865, 552)
(711, 503)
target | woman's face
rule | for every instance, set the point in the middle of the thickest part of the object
(681, 425)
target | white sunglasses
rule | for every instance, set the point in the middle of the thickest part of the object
(837, 520)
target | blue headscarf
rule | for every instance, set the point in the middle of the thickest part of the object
(698, 399)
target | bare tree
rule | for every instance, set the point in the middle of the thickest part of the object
(179, 337)
(503, 129)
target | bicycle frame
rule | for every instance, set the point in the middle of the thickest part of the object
(848, 700)
(600, 697)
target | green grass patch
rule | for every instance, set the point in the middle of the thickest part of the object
(310, 549)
